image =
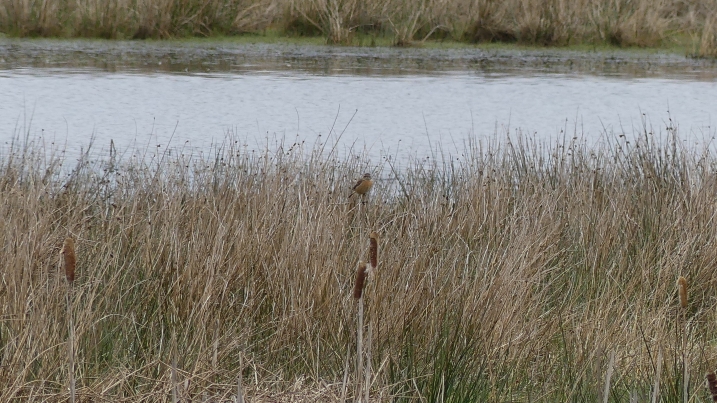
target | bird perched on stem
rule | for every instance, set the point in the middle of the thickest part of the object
(362, 186)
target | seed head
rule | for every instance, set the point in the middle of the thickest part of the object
(360, 280)
(68, 252)
(682, 287)
(712, 385)
(373, 251)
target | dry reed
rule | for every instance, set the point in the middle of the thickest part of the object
(608, 377)
(707, 46)
(69, 263)
(173, 377)
(358, 295)
(658, 375)
(240, 381)
(505, 291)
(552, 22)
(682, 291)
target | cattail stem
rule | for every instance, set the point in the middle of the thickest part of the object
(682, 290)
(69, 263)
(367, 378)
(173, 373)
(71, 344)
(240, 393)
(359, 347)
(658, 370)
(685, 359)
(686, 384)
(358, 294)
(608, 376)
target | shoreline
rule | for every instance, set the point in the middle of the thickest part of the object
(256, 53)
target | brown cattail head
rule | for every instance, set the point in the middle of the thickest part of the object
(373, 251)
(68, 252)
(712, 385)
(360, 280)
(682, 287)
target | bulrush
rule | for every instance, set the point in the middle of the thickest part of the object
(712, 385)
(360, 280)
(373, 251)
(68, 252)
(682, 286)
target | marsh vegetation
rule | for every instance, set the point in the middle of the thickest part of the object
(642, 23)
(514, 271)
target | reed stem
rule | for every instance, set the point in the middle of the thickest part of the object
(240, 392)
(682, 290)
(69, 263)
(358, 295)
(359, 348)
(175, 395)
(608, 376)
(658, 370)
(71, 344)
(367, 378)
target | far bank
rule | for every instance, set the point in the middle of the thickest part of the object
(689, 27)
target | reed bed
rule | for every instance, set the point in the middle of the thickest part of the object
(553, 22)
(511, 271)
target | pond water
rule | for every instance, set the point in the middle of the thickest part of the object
(379, 101)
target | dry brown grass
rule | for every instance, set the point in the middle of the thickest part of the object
(135, 18)
(708, 38)
(552, 22)
(505, 275)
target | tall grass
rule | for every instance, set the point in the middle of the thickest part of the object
(551, 22)
(507, 273)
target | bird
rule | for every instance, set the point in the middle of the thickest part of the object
(362, 186)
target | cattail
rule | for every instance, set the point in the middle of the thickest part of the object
(712, 385)
(682, 285)
(373, 251)
(360, 280)
(68, 252)
(70, 260)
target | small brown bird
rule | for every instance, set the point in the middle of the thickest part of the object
(362, 186)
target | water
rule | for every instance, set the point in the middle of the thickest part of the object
(378, 101)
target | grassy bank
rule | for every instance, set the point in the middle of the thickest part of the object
(643, 23)
(514, 273)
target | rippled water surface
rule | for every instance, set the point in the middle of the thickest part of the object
(385, 101)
